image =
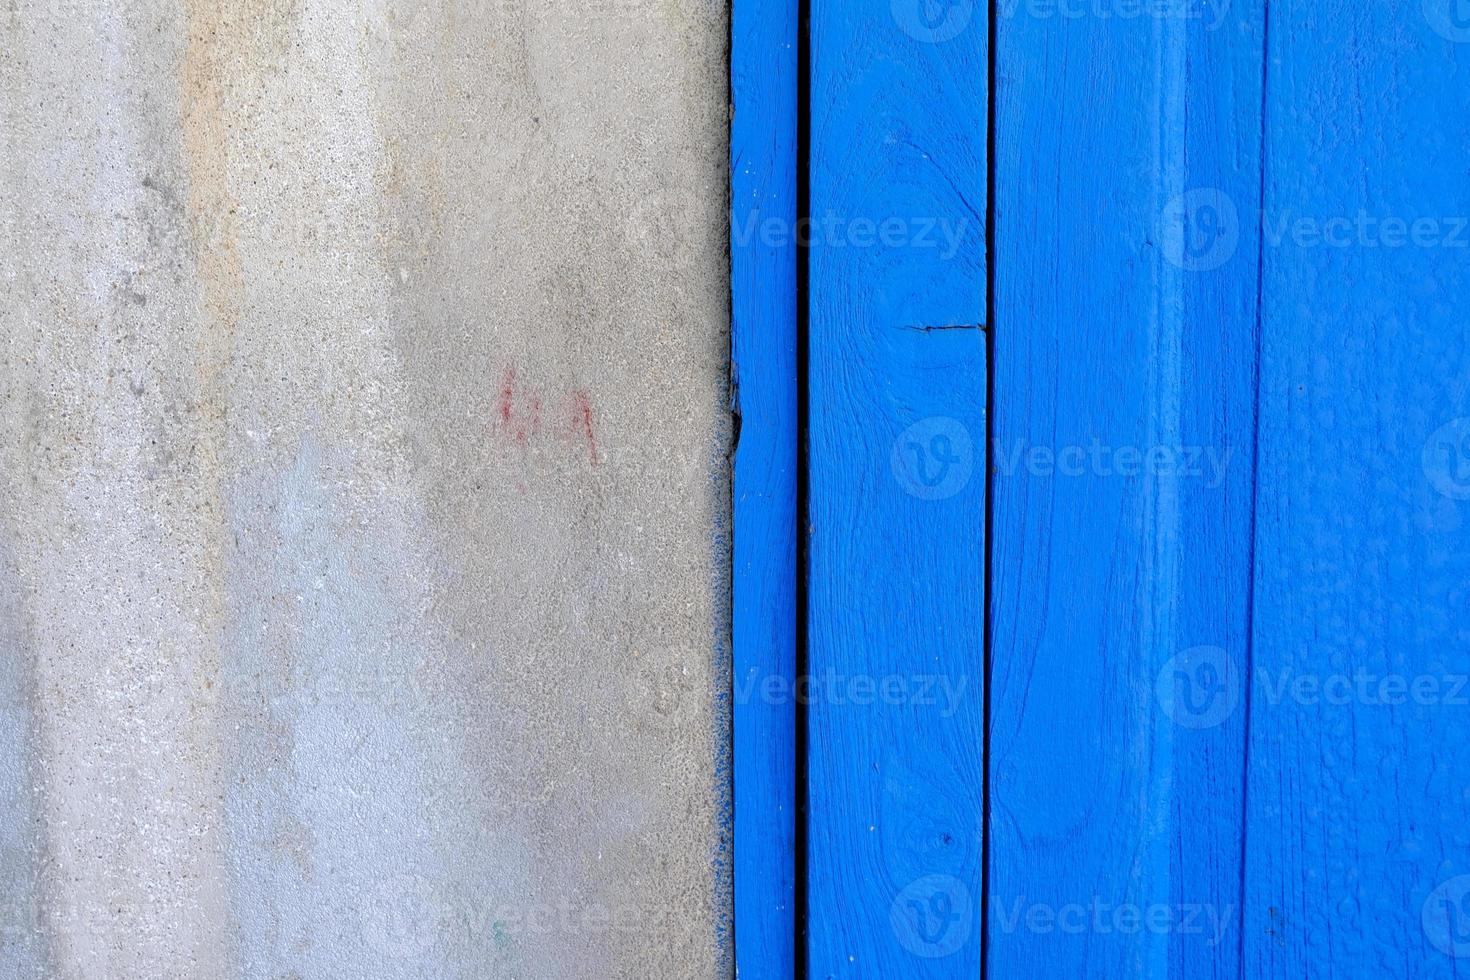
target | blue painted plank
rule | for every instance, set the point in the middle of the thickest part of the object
(1358, 841)
(763, 138)
(1127, 175)
(897, 488)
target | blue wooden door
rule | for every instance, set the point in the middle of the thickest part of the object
(1193, 345)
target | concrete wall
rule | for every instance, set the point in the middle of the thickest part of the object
(363, 447)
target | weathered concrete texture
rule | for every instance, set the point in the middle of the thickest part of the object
(364, 466)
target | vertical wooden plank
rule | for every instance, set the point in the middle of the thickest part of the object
(1359, 812)
(763, 167)
(897, 488)
(1127, 174)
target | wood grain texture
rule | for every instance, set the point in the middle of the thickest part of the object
(1359, 762)
(763, 171)
(897, 489)
(1127, 172)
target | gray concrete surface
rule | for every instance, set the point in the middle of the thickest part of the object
(363, 453)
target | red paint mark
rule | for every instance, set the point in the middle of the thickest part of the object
(520, 423)
(517, 428)
(508, 395)
(582, 418)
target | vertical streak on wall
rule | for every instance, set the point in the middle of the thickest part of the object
(114, 506)
(21, 843)
(20, 852)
